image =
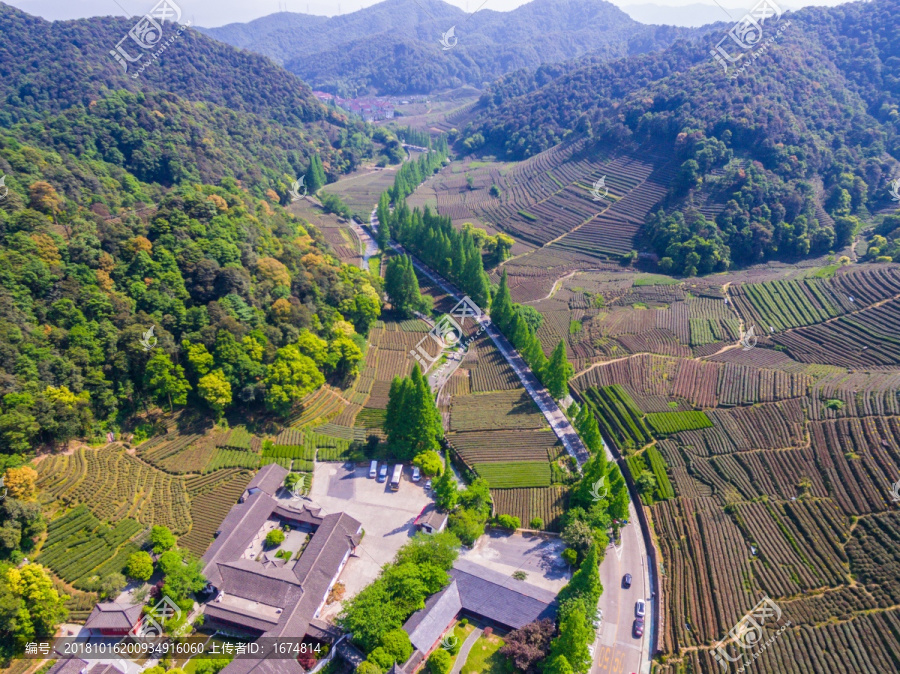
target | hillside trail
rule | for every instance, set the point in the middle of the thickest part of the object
(555, 288)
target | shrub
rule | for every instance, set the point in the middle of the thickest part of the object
(508, 522)
(536, 523)
(397, 644)
(571, 556)
(139, 566)
(382, 658)
(439, 662)
(162, 539)
(430, 463)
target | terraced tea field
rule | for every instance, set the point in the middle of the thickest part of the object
(762, 458)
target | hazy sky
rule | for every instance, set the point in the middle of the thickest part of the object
(211, 13)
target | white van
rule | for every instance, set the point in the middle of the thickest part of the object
(373, 470)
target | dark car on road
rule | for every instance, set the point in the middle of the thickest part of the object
(638, 628)
(626, 581)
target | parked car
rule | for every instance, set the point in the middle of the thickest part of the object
(382, 474)
(428, 483)
(626, 581)
(639, 609)
(638, 627)
(373, 470)
(417, 474)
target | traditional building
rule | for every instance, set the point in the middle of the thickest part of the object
(431, 520)
(481, 593)
(258, 594)
(110, 619)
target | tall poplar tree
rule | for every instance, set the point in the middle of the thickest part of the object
(557, 372)
(315, 175)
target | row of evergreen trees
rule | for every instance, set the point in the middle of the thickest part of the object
(422, 138)
(402, 287)
(413, 173)
(508, 317)
(450, 252)
(412, 422)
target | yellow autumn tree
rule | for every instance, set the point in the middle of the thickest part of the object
(43, 198)
(220, 204)
(272, 270)
(21, 482)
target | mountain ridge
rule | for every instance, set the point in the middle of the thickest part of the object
(394, 47)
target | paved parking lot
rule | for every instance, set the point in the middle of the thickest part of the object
(387, 517)
(538, 556)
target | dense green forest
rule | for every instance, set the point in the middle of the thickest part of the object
(393, 47)
(146, 257)
(203, 111)
(814, 122)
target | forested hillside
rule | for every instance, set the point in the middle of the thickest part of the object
(394, 47)
(146, 258)
(775, 162)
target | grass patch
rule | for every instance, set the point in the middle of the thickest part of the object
(375, 265)
(826, 272)
(528, 216)
(515, 474)
(655, 280)
(485, 658)
(574, 327)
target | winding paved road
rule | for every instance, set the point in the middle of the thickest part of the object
(542, 398)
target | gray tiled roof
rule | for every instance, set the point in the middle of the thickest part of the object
(501, 598)
(240, 525)
(101, 668)
(298, 589)
(269, 478)
(232, 615)
(68, 666)
(433, 517)
(427, 625)
(267, 666)
(109, 615)
(76, 666)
